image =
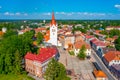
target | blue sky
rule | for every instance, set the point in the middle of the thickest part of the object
(63, 9)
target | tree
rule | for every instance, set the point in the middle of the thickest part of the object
(55, 71)
(82, 53)
(13, 48)
(117, 43)
(18, 62)
(39, 37)
(9, 33)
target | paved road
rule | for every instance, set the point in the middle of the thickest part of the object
(82, 69)
(102, 66)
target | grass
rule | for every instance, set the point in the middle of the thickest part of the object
(15, 77)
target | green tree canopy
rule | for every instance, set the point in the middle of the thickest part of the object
(39, 37)
(55, 71)
(12, 50)
(82, 53)
(117, 44)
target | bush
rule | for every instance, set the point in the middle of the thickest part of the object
(71, 52)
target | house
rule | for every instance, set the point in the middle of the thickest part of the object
(112, 27)
(93, 41)
(69, 41)
(24, 30)
(36, 63)
(88, 38)
(100, 36)
(96, 44)
(111, 57)
(47, 36)
(4, 29)
(110, 41)
(108, 28)
(100, 75)
(101, 51)
(78, 45)
(78, 37)
(115, 70)
(40, 29)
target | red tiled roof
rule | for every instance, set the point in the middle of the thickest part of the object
(53, 22)
(112, 55)
(88, 37)
(30, 56)
(99, 43)
(79, 44)
(39, 29)
(45, 54)
(94, 40)
(97, 31)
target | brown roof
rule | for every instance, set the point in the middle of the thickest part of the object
(99, 73)
(112, 55)
(79, 44)
(109, 39)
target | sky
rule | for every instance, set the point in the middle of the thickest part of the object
(63, 9)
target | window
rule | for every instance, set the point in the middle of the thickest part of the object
(53, 30)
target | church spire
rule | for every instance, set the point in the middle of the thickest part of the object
(53, 22)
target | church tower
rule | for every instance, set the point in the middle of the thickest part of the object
(53, 31)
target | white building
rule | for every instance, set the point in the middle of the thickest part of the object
(78, 45)
(53, 31)
(4, 29)
(111, 58)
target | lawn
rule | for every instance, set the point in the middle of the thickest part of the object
(14, 77)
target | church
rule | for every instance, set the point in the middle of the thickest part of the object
(51, 35)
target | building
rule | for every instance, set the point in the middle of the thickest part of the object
(101, 51)
(88, 38)
(112, 27)
(36, 63)
(78, 45)
(4, 30)
(53, 31)
(69, 40)
(51, 36)
(115, 70)
(111, 57)
(100, 75)
(96, 44)
(40, 29)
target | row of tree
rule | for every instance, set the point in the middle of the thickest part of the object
(13, 47)
(111, 33)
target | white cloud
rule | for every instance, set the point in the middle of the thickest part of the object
(61, 13)
(80, 13)
(17, 14)
(6, 13)
(47, 14)
(117, 6)
(25, 14)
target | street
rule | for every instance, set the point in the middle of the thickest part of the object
(102, 66)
